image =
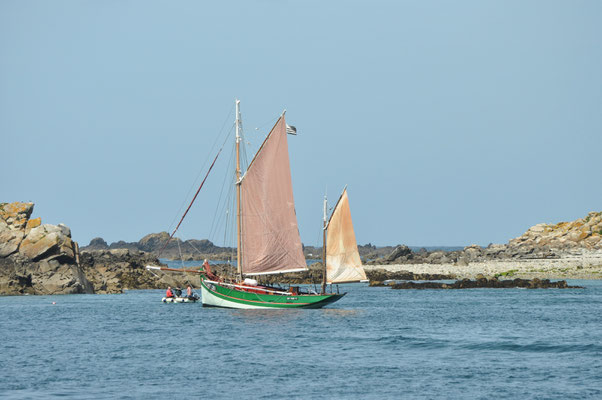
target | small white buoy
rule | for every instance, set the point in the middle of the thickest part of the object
(54, 302)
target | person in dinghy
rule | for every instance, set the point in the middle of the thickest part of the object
(175, 296)
(190, 294)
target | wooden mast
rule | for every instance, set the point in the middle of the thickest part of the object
(324, 247)
(238, 204)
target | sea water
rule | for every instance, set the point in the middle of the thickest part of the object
(374, 343)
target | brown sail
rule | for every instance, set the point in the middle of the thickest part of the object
(270, 235)
(343, 263)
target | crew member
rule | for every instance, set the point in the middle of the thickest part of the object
(207, 268)
(168, 293)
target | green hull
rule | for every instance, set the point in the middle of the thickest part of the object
(217, 295)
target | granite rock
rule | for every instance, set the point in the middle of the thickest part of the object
(47, 241)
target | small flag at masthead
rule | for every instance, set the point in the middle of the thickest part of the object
(291, 130)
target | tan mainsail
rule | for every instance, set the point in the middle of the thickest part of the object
(343, 263)
(270, 235)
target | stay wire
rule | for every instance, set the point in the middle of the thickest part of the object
(195, 196)
(199, 174)
(219, 202)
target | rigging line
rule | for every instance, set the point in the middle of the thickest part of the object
(180, 251)
(221, 212)
(221, 192)
(226, 226)
(198, 176)
(230, 179)
(268, 122)
(243, 156)
(193, 199)
(319, 237)
(261, 147)
(221, 217)
(232, 230)
(203, 167)
(188, 242)
(230, 215)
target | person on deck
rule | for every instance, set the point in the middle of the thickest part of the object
(208, 272)
(206, 267)
(168, 293)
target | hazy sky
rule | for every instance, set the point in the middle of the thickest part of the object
(452, 122)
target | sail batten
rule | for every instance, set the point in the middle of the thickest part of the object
(270, 234)
(343, 262)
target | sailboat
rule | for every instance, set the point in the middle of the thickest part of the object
(268, 240)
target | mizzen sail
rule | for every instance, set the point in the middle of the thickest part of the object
(270, 235)
(343, 263)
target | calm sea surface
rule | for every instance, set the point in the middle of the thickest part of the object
(375, 343)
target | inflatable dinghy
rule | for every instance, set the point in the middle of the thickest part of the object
(185, 299)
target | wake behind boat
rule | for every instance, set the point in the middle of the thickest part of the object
(268, 240)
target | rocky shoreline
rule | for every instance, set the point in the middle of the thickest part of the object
(114, 271)
(585, 266)
(566, 250)
(43, 259)
(38, 258)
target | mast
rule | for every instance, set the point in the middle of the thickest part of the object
(238, 204)
(324, 247)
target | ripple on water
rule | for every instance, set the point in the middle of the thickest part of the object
(372, 344)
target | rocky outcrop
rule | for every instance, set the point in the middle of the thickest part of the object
(382, 275)
(154, 243)
(47, 241)
(113, 271)
(542, 241)
(584, 233)
(96, 244)
(36, 258)
(13, 221)
(487, 283)
(399, 252)
(19, 275)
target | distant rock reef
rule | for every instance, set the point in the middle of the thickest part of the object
(542, 241)
(481, 282)
(160, 245)
(193, 249)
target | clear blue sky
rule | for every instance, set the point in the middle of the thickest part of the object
(452, 122)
